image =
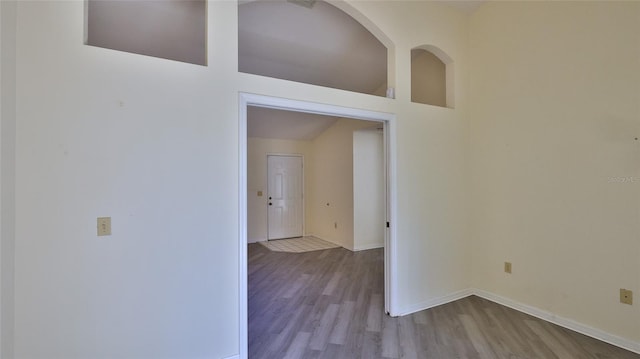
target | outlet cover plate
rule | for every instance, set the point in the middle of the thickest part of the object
(626, 296)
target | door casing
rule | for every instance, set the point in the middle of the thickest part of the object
(390, 142)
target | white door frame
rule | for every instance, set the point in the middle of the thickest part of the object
(389, 121)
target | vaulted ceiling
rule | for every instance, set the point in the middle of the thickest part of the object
(319, 45)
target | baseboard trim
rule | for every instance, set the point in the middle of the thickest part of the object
(527, 309)
(368, 246)
(436, 302)
(563, 322)
(233, 357)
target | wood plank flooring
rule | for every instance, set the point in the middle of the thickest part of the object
(329, 304)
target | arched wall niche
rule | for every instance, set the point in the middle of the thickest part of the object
(377, 32)
(324, 43)
(432, 76)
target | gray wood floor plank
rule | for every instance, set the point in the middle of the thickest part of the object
(321, 334)
(390, 341)
(333, 283)
(548, 339)
(298, 347)
(407, 338)
(286, 335)
(297, 285)
(476, 336)
(374, 315)
(329, 304)
(339, 332)
(371, 345)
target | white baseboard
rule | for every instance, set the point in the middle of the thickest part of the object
(233, 357)
(563, 322)
(354, 249)
(256, 240)
(368, 246)
(436, 302)
(527, 309)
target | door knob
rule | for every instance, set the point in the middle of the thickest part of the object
(269, 197)
(270, 203)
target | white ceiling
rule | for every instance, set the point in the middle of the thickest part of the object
(287, 125)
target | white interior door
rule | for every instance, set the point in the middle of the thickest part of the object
(285, 209)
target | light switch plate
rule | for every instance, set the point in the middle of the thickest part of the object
(507, 267)
(104, 226)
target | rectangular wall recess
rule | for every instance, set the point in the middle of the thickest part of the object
(169, 29)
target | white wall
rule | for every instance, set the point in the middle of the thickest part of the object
(257, 151)
(331, 196)
(7, 172)
(433, 252)
(369, 193)
(153, 143)
(555, 89)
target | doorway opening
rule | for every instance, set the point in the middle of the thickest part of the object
(388, 122)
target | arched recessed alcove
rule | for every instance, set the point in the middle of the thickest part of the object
(431, 77)
(314, 42)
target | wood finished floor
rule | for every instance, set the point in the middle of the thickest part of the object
(329, 304)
